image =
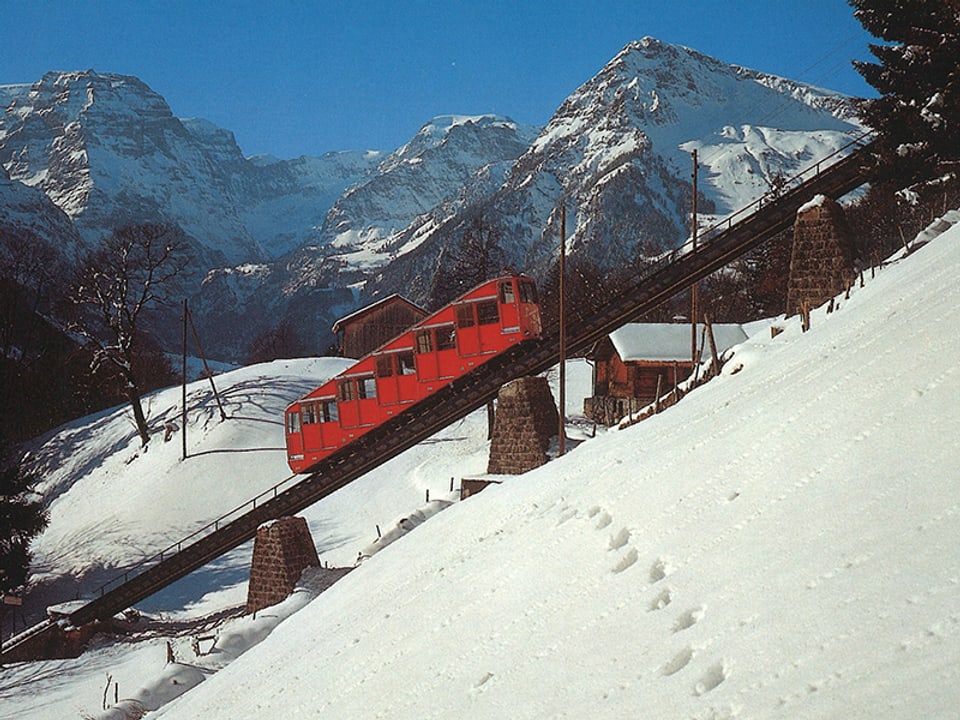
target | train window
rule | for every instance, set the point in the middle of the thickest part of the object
(446, 337)
(347, 391)
(407, 366)
(384, 365)
(367, 388)
(329, 413)
(293, 422)
(506, 293)
(528, 292)
(424, 343)
(309, 412)
(465, 316)
(487, 312)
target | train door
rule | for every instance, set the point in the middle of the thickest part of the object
(436, 348)
(320, 424)
(529, 308)
(468, 337)
(509, 307)
(310, 424)
(478, 327)
(358, 401)
(396, 377)
(423, 344)
(445, 349)
(294, 437)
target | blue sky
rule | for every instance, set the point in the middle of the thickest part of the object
(293, 78)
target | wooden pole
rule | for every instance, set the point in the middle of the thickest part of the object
(708, 327)
(183, 403)
(562, 433)
(693, 288)
(206, 368)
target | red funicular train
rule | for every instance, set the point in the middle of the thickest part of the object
(449, 343)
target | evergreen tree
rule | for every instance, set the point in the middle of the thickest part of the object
(21, 519)
(275, 343)
(477, 258)
(917, 115)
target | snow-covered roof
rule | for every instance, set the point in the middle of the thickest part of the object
(346, 319)
(668, 341)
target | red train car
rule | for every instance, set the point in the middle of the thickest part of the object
(444, 346)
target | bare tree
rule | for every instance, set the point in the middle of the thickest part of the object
(129, 273)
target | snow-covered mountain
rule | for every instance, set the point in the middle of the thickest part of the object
(618, 153)
(315, 284)
(108, 150)
(781, 543)
(306, 240)
(439, 161)
(28, 213)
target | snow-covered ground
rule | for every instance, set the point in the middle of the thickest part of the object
(782, 543)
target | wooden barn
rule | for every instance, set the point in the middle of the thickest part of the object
(370, 327)
(627, 364)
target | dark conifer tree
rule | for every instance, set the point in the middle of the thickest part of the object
(477, 258)
(22, 519)
(917, 115)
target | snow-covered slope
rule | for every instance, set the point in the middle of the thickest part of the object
(779, 544)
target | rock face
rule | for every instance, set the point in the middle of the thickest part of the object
(822, 260)
(526, 419)
(28, 216)
(281, 551)
(308, 240)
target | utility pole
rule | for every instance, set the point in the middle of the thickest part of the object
(561, 436)
(693, 288)
(183, 388)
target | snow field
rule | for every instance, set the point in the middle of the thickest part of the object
(780, 544)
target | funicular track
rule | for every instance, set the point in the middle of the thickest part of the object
(729, 239)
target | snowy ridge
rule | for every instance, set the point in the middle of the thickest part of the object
(361, 228)
(27, 212)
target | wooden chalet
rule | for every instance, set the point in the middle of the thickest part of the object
(628, 363)
(370, 327)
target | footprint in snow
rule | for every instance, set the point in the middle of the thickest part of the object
(628, 559)
(713, 676)
(688, 619)
(480, 685)
(619, 539)
(603, 520)
(659, 570)
(661, 600)
(678, 662)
